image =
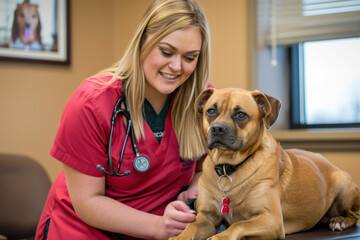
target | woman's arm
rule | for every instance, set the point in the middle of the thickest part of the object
(192, 190)
(87, 194)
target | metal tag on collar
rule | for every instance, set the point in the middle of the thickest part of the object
(225, 201)
(141, 163)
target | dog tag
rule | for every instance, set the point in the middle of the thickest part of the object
(225, 206)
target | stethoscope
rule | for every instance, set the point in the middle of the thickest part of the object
(141, 163)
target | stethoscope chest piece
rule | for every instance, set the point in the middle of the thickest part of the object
(141, 163)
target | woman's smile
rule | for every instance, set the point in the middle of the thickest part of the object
(169, 77)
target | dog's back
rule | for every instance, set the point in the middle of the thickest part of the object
(320, 189)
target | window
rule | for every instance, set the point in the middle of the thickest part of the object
(307, 55)
(325, 83)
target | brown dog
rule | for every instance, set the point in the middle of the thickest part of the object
(26, 27)
(254, 186)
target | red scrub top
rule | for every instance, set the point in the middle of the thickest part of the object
(82, 142)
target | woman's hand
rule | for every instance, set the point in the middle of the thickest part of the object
(176, 217)
(177, 214)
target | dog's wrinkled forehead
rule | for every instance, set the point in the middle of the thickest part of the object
(225, 100)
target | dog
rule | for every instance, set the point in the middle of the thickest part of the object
(26, 29)
(252, 185)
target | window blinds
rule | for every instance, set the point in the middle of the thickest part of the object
(285, 22)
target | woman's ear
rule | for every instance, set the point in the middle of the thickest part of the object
(269, 107)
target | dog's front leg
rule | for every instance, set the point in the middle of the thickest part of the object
(201, 229)
(263, 226)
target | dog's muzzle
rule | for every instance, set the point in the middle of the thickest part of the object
(220, 136)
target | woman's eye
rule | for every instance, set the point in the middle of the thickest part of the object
(189, 59)
(211, 112)
(241, 116)
(165, 53)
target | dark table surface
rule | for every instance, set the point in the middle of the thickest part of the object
(324, 233)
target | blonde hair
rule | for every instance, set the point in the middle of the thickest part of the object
(162, 18)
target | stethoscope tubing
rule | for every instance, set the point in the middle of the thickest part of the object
(141, 163)
(126, 114)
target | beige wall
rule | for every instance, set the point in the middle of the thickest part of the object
(32, 96)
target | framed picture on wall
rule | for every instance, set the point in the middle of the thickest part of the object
(34, 31)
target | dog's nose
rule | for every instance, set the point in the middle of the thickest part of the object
(27, 24)
(219, 129)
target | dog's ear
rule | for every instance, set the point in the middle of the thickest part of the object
(202, 99)
(199, 109)
(15, 27)
(38, 29)
(269, 107)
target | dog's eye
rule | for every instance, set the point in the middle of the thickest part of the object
(211, 112)
(240, 116)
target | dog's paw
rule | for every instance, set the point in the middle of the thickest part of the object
(217, 237)
(180, 238)
(337, 224)
(175, 238)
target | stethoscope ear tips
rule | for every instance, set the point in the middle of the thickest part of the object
(101, 168)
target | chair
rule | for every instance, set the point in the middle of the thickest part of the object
(24, 186)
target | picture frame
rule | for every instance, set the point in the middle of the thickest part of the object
(35, 31)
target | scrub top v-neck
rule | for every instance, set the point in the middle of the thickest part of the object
(154, 120)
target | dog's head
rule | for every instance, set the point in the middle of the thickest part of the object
(233, 119)
(26, 25)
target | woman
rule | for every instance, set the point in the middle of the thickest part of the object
(163, 70)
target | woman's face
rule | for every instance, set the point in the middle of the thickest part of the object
(171, 61)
